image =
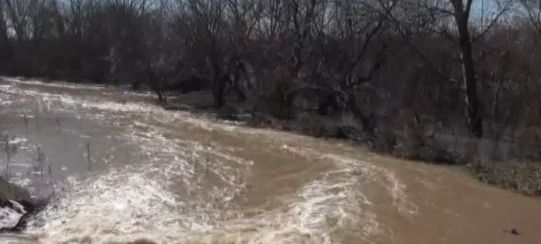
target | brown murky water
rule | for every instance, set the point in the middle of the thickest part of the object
(121, 170)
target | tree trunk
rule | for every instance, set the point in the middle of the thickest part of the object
(16, 21)
(474, 119)
(5, 54)
(473, 108)
(3, 26)
(366, 121)
(218, 90)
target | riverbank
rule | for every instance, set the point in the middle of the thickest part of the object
(520, 176)
(189, 178)
(523, 177)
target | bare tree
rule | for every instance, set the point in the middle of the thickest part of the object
(436, 61)
(3, 26)
(19, 15)
(467, 33)
(5, 56)
(461, 14)
(532, 9)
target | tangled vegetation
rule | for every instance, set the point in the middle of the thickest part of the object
(447, 81)
(523, 177)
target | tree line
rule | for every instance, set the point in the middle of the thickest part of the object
(446, 64)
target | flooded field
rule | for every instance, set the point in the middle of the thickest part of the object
(119, 169)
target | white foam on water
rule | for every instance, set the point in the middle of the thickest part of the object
(120, 203)
(141, 201)
(339, 196)
(136, 203)
(73, 104)
(17, 140)
(330, 209)
(396, 188)
(10, 216)
(53, 84)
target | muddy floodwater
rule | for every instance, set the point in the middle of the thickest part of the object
(119, 169)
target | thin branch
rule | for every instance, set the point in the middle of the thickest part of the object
(493, 22)
(467, 10)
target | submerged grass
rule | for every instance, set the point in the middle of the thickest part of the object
(522, 177)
